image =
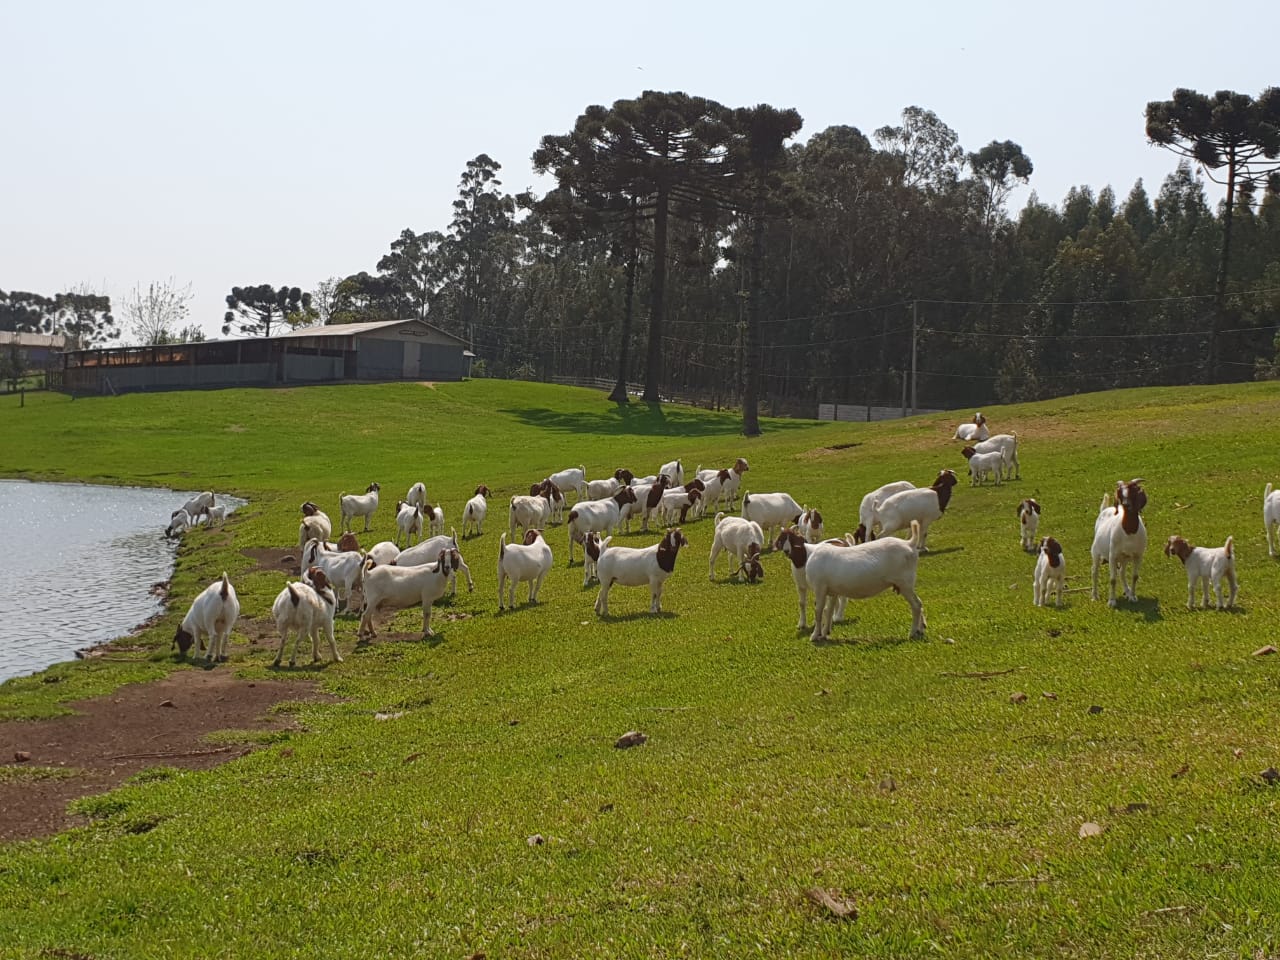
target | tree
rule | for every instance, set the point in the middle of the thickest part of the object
(416, 266)
(83, 316)
(477, 252)
(155, 316)
(364, 298)
(1231, 135)
(252, 310)
(928, 149)
(23, 312)
(995, 167)
(323, 297)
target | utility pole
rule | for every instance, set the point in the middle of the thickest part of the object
(915, 323)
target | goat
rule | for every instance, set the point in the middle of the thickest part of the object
(396, 588)
(417, 495)
(315, 525)
(408, 522)
(834, 572)
(797, 549)
(473, 513)
(343, 569)
(981, 464)
(306, 608)
(195, 507)
(215, 514)
(1007, 444)
(1028, 522)
(596, 516)
(1120, 538)
(529, 561)
(574, 478)
(729, 485)
(867, 529)
(744, 540)
(810, 525)
(384, 551)
(713, 491)
(529, 512)
(674, 472)
(679, 501)
(551, 493)
(600, 489)
(1208, 565)
(624, 477)
(425, 551)
(359, 505)
(925, 506)
(977, 430)
(213, 613)
(590, 555)
(1050, 575)
(648, 499)
(771, 510)
(435, 519)
(1270, 516)
(179, 521)
(628, 567)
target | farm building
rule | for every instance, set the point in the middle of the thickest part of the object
(389, 350)
(37, 350)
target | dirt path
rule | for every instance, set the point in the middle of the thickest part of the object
(138, 726)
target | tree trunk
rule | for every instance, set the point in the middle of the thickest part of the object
(751, 350)
(619, 394)
(1213, 364)
(653, 372)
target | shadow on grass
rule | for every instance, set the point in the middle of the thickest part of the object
(865, 643)
(942, 552)
(638, 615)
(643, 419)
(1147, 607)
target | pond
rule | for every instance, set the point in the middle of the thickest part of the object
(80, 567)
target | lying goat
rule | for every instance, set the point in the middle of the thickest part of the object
(212, 615)
(1208, 565)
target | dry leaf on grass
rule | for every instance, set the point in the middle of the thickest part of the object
(21, 756)
(1018, 697)
(841, 908)
(1180, 771)
(536, 840)
(888, 784)
(1264, 651)
(632, 738)
(1090, 829)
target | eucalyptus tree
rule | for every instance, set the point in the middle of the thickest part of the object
(997, 169)
(478, 251)
(416, 266)
(928, 149)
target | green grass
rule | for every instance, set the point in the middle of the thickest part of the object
(770, 760)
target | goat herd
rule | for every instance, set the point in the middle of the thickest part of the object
(423, 562)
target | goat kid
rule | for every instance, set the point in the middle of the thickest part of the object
(551, 493)
(417, 495)
(306, 608)
(179, 522)
(1050, 576)
(1209, 566)
(1271, 516)
(1028, 523)
(517, 563)
(213, 613)
(983, 464)
(628, 567)
(315, 525)
(810, 525)
(730, 485)
(355, 505)
(1120, 538)
(474, 512)
(408, 522)
(1007, 444)
(648, 499)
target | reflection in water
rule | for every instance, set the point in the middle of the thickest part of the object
(79, 567)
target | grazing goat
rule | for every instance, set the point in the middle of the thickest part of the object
(473, 513)
(213, 613)
(729, 485)
(315, 525)
(1028, 522)
(359, 505)
(1050, 574)
(600, 489)
(797, 549)
(744, 540)
(628, 567)
(574, 478)
(673, 472)
(408, 522)
(597, 516)
(857, 572)
(924, 506)
(675, 504)
(1208, 565)
(344, 569)
(981, 464)
(1120, 538)
(977, 430)
(306, 608)
(810, 525)
(590, 554)
(417, 495)
(529, 512)
(195, 507)
(529, 562)
(867, 529)
(648, 499)
(429, 549)
(397, 588)
(384, 551)
(179, 521)
(771, 510)
(1007, 444)
(1271, 516)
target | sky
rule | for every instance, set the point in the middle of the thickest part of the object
(234, 144)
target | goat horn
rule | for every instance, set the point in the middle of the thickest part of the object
(1138, 480)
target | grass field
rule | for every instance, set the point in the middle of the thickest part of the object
(874, 767)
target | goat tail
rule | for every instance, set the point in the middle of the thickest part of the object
(226, 584)
(1226, 547)
(719, 517)
(1266, 493)
(502, 546)
(293, 594)
(915, 535)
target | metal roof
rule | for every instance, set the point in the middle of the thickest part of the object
(352, 329)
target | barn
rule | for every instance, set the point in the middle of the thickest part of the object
(387, 350)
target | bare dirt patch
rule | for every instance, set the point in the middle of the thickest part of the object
(274, 559)
(138, 726)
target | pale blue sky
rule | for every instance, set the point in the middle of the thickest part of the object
(245, 143)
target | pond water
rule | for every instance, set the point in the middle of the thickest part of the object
(79, 568)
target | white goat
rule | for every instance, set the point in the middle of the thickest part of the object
(573, 478)
(862, 571)
(674, 472)
(473, 513)
(1028, 523)
(397, 588)
(977, 430)
(771, 510)
(306, 608)
(1271, 516)
(1007, 444)
(648, 499)
(384, 551)
(435, 519)
(744, 540)
(551, 493)
(713, 491)
(213, 613)
(408, 522)
(179, 521)
(599, 489)
(675, 504)
(797, 549)
(315, 525)
(1208, 565)
(195, 507)
(215, 514)
(359, 505)
(344, 569)
(529, 562)
(924, 506)
(1120, 538)
(533, 512)
(729, 485)
(1050, 575)
(427, 550)
(982, 464)
(810, 525)
(867, 529)
(628, 567)
(417, 495)
(596, 516)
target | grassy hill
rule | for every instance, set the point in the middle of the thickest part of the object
(898, 774)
